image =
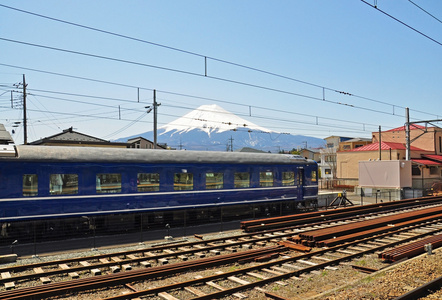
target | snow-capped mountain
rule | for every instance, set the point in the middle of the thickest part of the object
(209, 118)
(210, 127)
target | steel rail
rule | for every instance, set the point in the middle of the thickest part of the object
(345, 238)
(411, 249)
(266, 224)
(331, 232)
(422, 291)
(41, 291)
(265, 265)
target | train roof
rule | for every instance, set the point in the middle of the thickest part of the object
(131, 155)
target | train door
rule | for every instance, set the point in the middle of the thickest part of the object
(300, 183)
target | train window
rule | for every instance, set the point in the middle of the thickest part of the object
(242, 180)
(214, 181)
(62, 184)
(108, 183)
(314, 176)
(265, 179)
(183, 182)
(148, 182)
(288, 178)
(30, 185)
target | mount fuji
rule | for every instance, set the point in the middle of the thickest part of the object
(210, 127)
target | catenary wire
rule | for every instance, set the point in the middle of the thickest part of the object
(190, 53)
(403, 23)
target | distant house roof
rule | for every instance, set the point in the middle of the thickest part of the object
(433, 157)
(427, 162)
(5, 136)
(412, 127)
(384, 146)
(357, 140)
(139, 138)
(69, 136)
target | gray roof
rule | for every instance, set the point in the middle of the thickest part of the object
(5, 136)
(129, 155)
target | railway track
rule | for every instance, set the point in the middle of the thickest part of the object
(283, 268)
(133, 266)
(171, 253)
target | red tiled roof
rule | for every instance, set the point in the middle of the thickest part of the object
(412, 127)
(433, 157)
(385, 146)
(427, 162)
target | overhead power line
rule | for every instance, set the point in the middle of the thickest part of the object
(195, 54)
(403, 23)
(425, 11)
(201, 75)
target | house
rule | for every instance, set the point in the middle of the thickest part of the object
(353, 144)
(423, 137)
(142, 143)
(69, 137)
(311, 154)
(5, 136)
(327, 165)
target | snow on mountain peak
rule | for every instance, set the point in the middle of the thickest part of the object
(210, 118)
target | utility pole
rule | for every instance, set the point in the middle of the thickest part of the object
(25, 122)
(154, 119)
(380, 143)
(231, 144)
(407, 134)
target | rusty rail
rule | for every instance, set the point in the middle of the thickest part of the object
(57, 288)
(411, 249)
(310, 217)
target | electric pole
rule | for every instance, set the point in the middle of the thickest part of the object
(25, 119)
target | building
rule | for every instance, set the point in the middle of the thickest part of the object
(423, 137)
(311, 154)
(383, 163)
(69, 137)
(327, 166)
(142, 143)
(348, 161)
(5, 136)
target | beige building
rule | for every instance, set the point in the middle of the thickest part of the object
(423, 137)
(348, 161)
(377, 159)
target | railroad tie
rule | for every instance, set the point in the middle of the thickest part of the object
(94, 271)
(145, 264)
(292, 266)
(73, 275)
(8, 285)
(126, 292)
(167, 296)
(257, 275)
(279, 269)
(195, 291)
(218, 287)
(215, 251)
(43, 279)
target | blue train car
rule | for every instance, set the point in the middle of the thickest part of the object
(40, 182)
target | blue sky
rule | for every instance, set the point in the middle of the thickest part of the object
(316, 47)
